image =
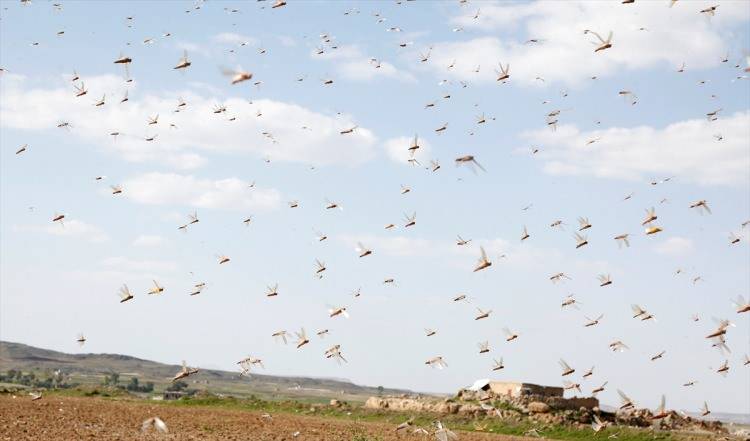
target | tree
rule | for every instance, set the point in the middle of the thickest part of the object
(381, 389)
(133, 386)
(28, 379)
(177, 386)
(112, 379)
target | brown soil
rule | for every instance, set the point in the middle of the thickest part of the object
(68, 418)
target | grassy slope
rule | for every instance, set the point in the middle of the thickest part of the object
(90, 369)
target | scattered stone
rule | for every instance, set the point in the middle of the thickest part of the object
(538, 407)
(575, 412)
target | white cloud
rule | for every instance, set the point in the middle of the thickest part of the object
(69, 228)
(398, 150)
(126, 264)
(115, 270)
(287, 41)
(208, 88)
(363, 70)
(342, 52)
(233, 38)
(686, 149)
(529, 256)
(171, 216)
(351, 64)
(675, 246)
(145, 240)
(514, 254)
(671, 36)
(192, 48)
(175, 189)
(400, 246)
(198, 128)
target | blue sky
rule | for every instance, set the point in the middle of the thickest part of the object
(59, 280)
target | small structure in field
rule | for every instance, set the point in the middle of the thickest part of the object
(514, 389)
(521, 394)
(173, 394)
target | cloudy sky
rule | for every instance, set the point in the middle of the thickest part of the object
(281, 131)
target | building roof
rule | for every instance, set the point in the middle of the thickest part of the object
(479, 384)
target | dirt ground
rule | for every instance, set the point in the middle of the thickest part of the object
(68, 418)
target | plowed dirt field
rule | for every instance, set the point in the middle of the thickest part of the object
(73, 418)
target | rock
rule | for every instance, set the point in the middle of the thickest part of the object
(634, 417)
(572, 412)
(376, 403)
(538, 407)
(470, 409)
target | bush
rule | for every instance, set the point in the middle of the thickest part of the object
(134, 386)
(177, 386)
(52, 381)
(112, 379)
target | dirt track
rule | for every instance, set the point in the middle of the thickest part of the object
(65, 418)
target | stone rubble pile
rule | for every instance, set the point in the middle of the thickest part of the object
(542, 410)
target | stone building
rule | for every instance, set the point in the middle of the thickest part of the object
(521, 394)
(515, 389)
(173, 395)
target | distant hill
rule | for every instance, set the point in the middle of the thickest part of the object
(91, 369)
